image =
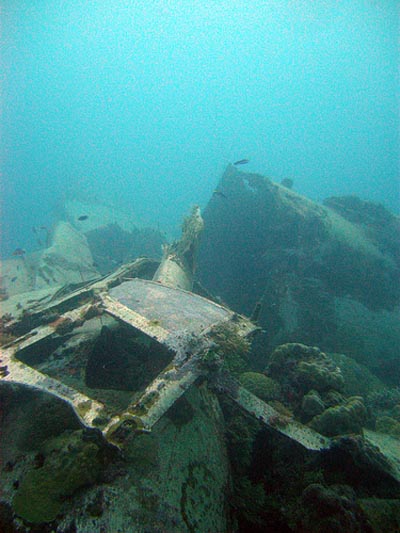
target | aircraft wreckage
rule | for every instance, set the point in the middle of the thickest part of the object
(186, 328)
(72, 344)
(185, 325)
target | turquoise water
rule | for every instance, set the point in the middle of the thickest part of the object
(144, 103)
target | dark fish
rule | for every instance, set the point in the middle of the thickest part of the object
(219, 193)
(83, 217)
(19, 251)
(287, 182)
(14, 279)
(256, 312)
(242, 162)
(44, 228)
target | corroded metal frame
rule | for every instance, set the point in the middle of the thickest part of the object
(159, 395)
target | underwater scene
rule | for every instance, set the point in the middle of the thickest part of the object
(200, 266)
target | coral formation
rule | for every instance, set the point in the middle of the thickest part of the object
(312, 386)
(262, 386)
(312, 404)
(341, 419)
(231, 348)
(71, 462)
(303, 368)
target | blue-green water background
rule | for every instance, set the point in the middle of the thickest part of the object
(145, 102)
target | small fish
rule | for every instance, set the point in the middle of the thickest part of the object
(83, 217)
(34, 229)
(242, 162)
(287, 182)
(19, 252)
(219, 193)
(256, 312)
(14, 279)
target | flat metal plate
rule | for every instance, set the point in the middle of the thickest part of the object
(175, 310)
